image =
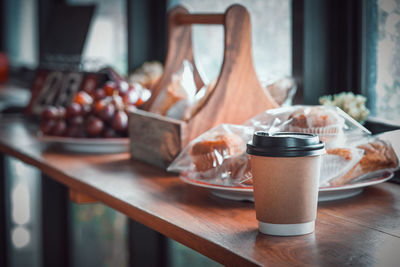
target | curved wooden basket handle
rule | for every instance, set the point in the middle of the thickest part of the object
(238, 94)
(179, 49)
(200, 18)
(180, 45)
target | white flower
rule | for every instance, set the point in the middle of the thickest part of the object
(354, 105)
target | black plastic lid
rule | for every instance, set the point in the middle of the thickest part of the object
(285, 144)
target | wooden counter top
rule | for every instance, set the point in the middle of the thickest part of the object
(363, 230)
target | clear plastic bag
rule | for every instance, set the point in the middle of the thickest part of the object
(378, 155)
(333, 126)
(218, 156)
(337, 162)
(282, 89)
(180, 99)
(182, 88)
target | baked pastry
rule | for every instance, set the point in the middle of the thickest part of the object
(168, 97)
(314, 117)
(345, 153)
(216, 150)
(181, 88)
(148, 74)
(317, 120)
(337, 162)
(378, 155)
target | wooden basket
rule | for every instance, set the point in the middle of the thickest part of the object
(237, 95)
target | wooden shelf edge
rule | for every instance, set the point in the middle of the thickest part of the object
(80, 198)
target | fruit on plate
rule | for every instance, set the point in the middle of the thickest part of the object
(47, 126)
(120, 122)
(83, 98)
(101, 113)
(51, 113)
(60, 128)
(94, 126)
(73, 110)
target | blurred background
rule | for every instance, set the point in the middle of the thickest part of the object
(328, 47)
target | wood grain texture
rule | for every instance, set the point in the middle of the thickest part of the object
(155, 139)
(361, 231)
(200, 19)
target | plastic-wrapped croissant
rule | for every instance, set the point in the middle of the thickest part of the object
(378, 155)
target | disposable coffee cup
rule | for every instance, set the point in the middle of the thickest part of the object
(286, 168)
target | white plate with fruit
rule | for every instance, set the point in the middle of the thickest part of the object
(88, 145)
(95, 122)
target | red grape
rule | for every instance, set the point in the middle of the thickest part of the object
(118, 102)
(144, 95)
(47, 126)
(120, 121)
(99, 94)
(75, 131)
(110, 87)
(50, 113)
(107, 113)
(131, 97)
(61, 112)
(110, 133)
(60, 128)
(94, 127)
(73, 110)
(123, 88)
(78, 120)
(86, 110)
(99, 105)
(83, 98)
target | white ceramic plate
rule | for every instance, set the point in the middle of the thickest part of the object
(228, 192)
(325, 193)
(355, 188)
(88, 145)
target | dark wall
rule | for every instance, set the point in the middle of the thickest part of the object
(44, 9)
(316, 43)
(326, 47)
(345, 29)
(2, 25)
(147, 28)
